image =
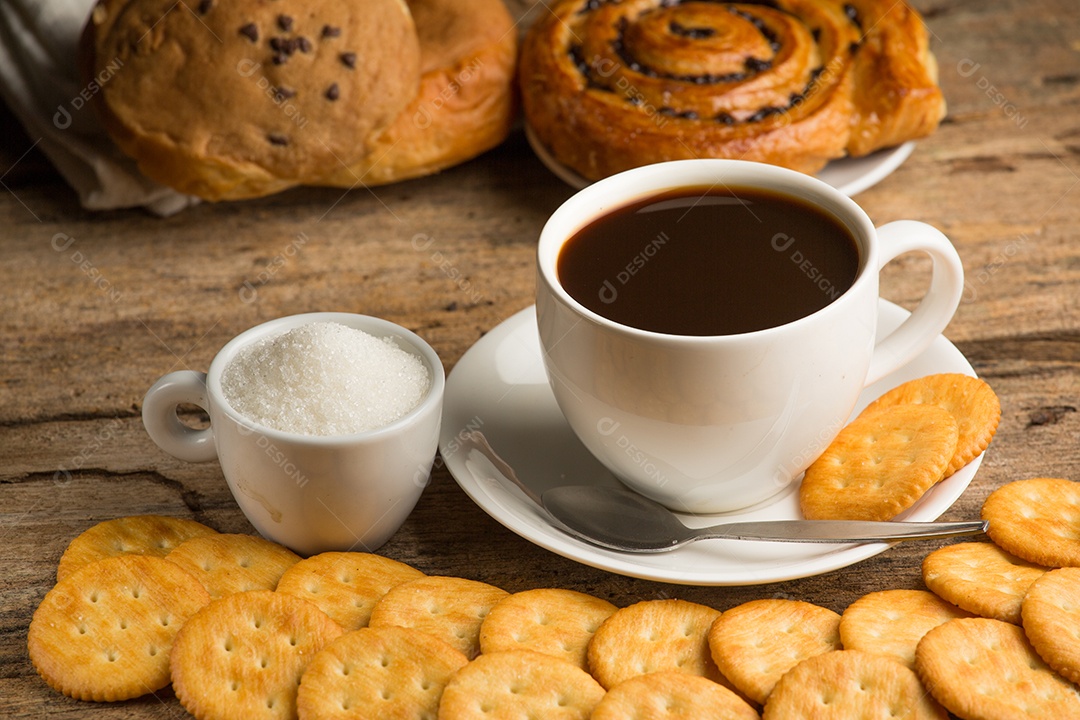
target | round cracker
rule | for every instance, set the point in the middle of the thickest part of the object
(971, 401)
(346, 585)
(1051, 614)
(227, 563)
(450, 608)
(879, 464)
(519, 684)
(104, 632)
(981, 578)
(551, 621)
(755, 643)
(388, 673)
(155, 535)
(671, 695)
(650, 636)
(845, 684)
(1037, 519)
(892, 622)
(983, 669)
(241, 657)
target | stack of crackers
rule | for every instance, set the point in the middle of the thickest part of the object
(243, 628)
(905, 442)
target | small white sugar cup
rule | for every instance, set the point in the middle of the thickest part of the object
(311, 493)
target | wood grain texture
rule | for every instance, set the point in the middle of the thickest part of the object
(88, 325)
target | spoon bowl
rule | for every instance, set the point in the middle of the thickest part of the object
(619, 519)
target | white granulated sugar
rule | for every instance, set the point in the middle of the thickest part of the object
(324, 379)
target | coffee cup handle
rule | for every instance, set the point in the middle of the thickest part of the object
(936, 308)
(164, 427)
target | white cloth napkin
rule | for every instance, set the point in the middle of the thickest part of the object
(39, 81)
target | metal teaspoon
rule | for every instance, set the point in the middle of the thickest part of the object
(618, 519)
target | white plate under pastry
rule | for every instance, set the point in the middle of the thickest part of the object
(848, 175)
(500, 420)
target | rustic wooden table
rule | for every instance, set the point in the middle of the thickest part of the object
(96, 306)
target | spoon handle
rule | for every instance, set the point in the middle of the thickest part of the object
(841, 531)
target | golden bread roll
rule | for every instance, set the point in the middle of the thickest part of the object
(608, 85)
(465, 105)
(230, 100)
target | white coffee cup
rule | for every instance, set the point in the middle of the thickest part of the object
(310, 493)
(719, 423)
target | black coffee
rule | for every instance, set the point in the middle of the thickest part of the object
(709, 261)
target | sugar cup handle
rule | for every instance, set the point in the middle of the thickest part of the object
(164, 427)
(936, 308)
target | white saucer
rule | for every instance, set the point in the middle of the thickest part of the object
(501, 422)
(848, 175)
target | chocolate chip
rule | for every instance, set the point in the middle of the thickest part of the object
(284, 45)
(284, 93)
(694, 33)
(280, 59)
(754, 65)
(284, 22)
(251, 32)
(332, 92)
(205, 5)
(348, 59)
(329, 31)
(853, 15)
(304, 44)
(767, 111)
(276, 139)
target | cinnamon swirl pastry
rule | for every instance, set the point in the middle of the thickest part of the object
(613, 84)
